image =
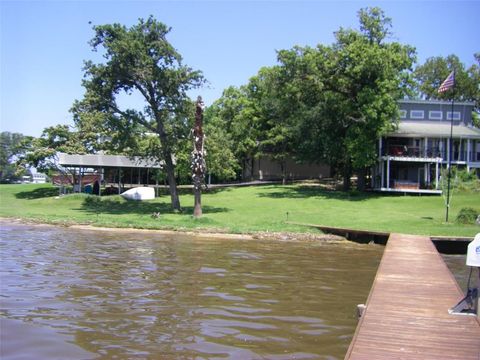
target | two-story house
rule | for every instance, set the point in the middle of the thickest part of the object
(410, 158)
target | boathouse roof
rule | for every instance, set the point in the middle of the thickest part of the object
(102, 160)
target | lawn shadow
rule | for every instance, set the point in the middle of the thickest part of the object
(37, 193)
(189, 191)
(97, 205)
(45, 192)
(303, 192)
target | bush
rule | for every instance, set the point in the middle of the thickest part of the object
(462, 180)
(466, 176)
(467, 216)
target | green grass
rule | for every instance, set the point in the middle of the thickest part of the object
(247, 209)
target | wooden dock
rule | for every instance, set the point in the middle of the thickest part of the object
(406, 315)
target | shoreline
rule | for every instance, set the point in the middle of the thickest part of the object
(199, 233)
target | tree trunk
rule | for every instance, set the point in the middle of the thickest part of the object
(170, 167)
(347, 173)
(252, 167)
(361, 174)
(197, 210)
(283, 167)
(172, 182)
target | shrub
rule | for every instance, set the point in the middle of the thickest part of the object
(466, 176)
(467, 216)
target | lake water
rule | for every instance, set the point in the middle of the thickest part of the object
(71, 294)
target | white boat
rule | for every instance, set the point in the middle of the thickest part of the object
(139, 193)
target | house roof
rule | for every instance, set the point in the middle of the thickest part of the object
(434, 102)
(435, 129)
(100, 160)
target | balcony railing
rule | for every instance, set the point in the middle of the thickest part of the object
(413, 151)
(430, 152)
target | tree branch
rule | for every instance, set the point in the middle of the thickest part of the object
(141, 121)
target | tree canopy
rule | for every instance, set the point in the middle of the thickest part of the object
(331, 103)
(233, 121)
(12, 147)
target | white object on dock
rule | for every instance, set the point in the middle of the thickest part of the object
(473, 252)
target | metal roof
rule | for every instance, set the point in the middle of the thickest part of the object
(435, 129)
(435, 102)
(101, 160)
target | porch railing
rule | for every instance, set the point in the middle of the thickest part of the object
(413, 151)
(430, 152)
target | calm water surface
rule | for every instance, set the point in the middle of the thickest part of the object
(458, 267)
(70, 294)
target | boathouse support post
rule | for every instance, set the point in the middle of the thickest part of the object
(388, 173)
(382, 173)
(119, 190)
(80, 180)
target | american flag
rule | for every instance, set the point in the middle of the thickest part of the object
(447, 83)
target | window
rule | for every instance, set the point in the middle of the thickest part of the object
(417, 114)
(435, 115)
(456, 115)
(403, 114)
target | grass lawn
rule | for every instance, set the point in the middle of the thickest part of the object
(246, 209)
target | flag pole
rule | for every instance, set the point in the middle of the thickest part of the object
(450, 149)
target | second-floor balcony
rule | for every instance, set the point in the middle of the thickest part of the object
(430, 152)
(413, 151)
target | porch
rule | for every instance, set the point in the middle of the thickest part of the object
(408, 174)
(410, 191)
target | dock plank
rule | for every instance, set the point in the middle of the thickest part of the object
(406, 316)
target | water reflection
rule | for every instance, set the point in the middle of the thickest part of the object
(459, 269)
(142, 295)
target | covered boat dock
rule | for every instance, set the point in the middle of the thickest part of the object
(114, 171)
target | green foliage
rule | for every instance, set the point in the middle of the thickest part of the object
(374, 24)
(466, 176)
(41, 152)
(461, 180)
(220, 158)
(232, 121)
(274, 94)
(467, 216)
(12, 147)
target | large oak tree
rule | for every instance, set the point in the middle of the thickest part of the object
(139, 61)
(349, 92)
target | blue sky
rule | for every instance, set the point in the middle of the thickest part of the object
(43, 43)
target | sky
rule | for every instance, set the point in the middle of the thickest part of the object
(43, 44)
